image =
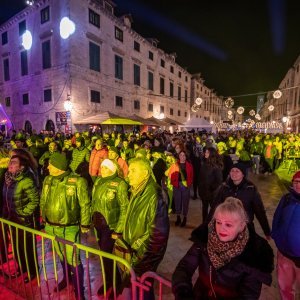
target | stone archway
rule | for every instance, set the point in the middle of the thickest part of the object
(50, 126)
(28, 127)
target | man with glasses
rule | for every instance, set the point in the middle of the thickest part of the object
(285, 232)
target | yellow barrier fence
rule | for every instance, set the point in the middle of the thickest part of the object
(14, 239)
(25, 252)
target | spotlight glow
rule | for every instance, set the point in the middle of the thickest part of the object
(27, 40)
(66, 27)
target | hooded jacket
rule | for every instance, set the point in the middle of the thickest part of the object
(65, 200)
(241, 278)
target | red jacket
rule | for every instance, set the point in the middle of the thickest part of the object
(97, 157)
(174, 174)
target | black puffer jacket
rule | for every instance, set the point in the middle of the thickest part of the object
(241, 278)
(247, 192)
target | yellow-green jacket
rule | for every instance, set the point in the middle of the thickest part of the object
(65, 200)
(110, 198)
(146, 228)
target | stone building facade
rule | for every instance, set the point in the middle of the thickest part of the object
(103, 66)
(287, 107)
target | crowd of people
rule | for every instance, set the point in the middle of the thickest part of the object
(125, 186)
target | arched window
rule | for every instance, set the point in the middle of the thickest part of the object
(50, 126)
(28, 127)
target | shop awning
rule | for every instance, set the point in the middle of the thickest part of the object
(107, 118)
(171, 121)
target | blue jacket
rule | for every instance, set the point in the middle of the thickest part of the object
(286, 225)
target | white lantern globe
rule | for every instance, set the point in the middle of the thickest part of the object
(240, 110)
(68, 105)
(229, 102)
(252, 112)
(198, 101)
(271, 107)
(277, 94)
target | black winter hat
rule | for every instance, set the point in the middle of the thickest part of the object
(239, 165)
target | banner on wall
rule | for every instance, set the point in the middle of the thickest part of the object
(63, 121)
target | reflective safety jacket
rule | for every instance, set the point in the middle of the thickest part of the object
(110, 198)
(65, 200)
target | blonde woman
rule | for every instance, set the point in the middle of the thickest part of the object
(232, 260)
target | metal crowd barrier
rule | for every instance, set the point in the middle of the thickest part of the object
(49, 271)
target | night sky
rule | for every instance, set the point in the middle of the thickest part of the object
(240, 47)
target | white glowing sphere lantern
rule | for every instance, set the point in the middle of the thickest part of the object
(271, 108)
(230, 117)
(252, 112)
(68, 105)
(258, 117)
(195, 108)
(277, 94)
(198, 101)
(284, 119)
(27, 40)
(66, 27)
(229, 112)
(240, 110)
(229, 102)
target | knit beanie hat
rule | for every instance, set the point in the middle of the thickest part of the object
(296, 175)
(240, 166)
(59, 161)
(109, 164)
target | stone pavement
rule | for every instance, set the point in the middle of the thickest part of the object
(271, 190)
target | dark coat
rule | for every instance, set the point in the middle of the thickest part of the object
(210, 178)
(247, 192)
(241, 278)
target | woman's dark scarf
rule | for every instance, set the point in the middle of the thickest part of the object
(11, 177)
